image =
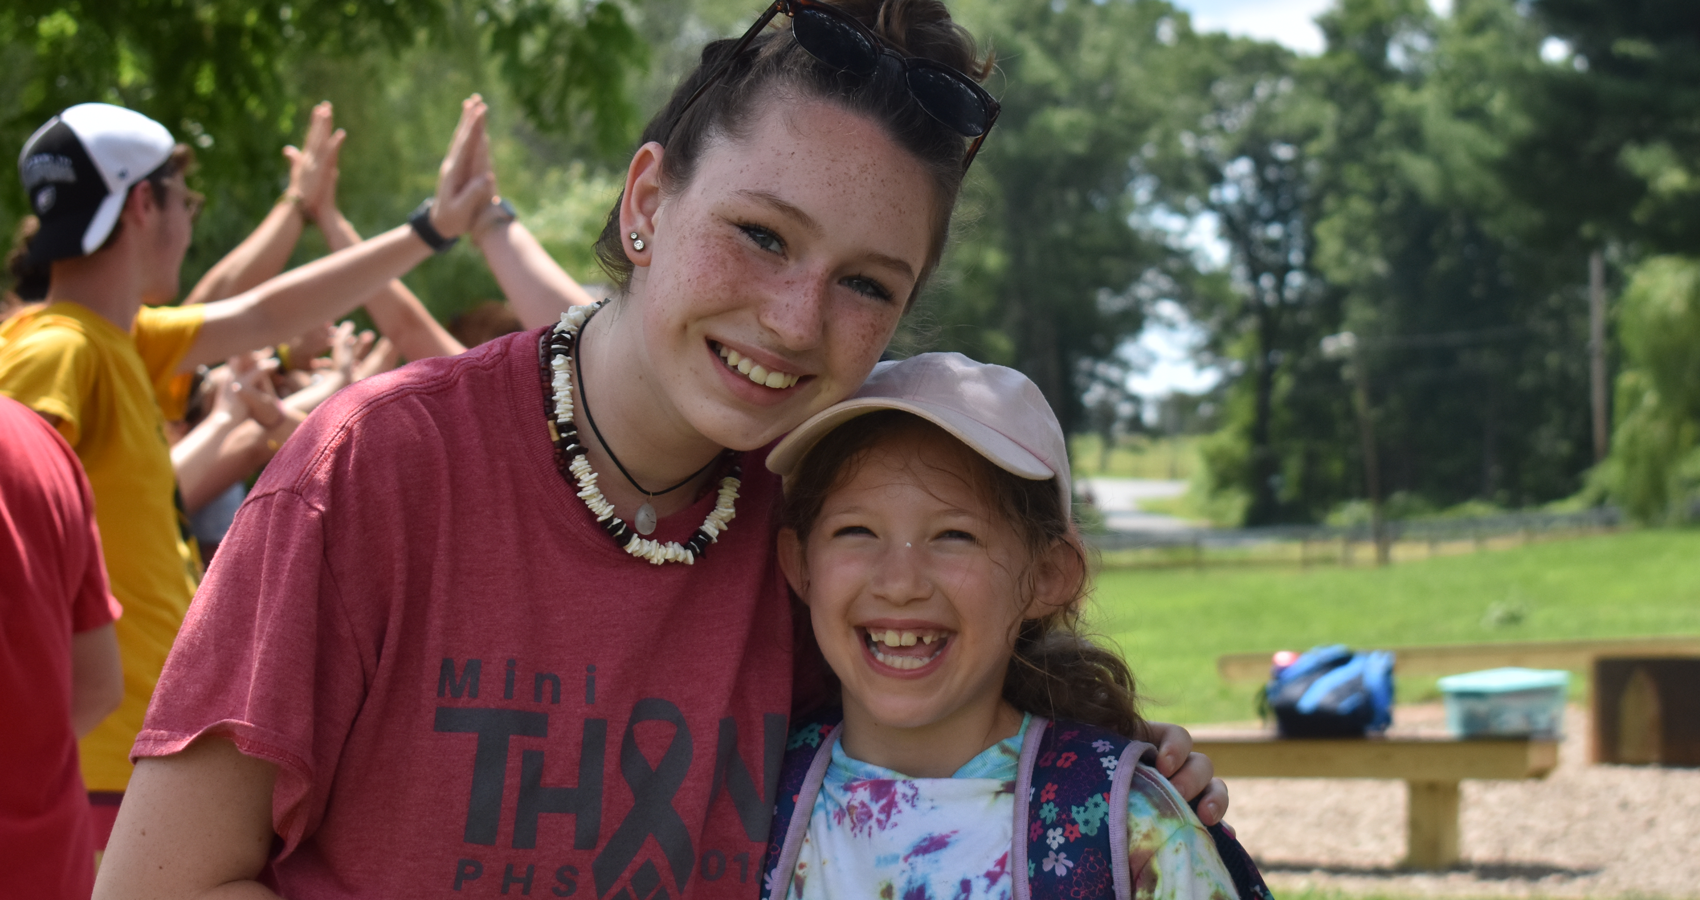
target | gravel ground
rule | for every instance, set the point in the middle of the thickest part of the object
(1584, 831)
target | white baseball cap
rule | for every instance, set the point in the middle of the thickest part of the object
(78, 168)
(997, 411)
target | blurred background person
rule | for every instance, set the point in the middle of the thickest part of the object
(108, 366)
(59, 668)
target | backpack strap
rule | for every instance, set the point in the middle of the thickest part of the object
(1071, 812)
(808, 752)
(1066, 761)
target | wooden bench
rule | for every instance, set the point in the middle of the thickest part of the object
(1430, 767)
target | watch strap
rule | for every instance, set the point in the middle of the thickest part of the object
(421, 222)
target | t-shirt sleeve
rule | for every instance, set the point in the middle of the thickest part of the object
(266, 658)
(163, 336)
(51, 370)
(1171, 855)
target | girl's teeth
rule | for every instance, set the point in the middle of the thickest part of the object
(758, 374)
(878, 640)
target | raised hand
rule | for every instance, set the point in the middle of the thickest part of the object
(381, 356)
(221, 382)
(313, 168)
(465, 182)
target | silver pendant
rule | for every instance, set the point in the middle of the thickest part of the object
(644, 521)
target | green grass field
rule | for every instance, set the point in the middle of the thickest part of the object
(1172, 624)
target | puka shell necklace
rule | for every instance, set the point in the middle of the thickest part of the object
(556, 351)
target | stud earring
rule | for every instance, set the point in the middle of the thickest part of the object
(637, 242)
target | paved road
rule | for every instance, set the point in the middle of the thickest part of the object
(1119, 499)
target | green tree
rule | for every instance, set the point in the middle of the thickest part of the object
(1613, 129)
(1474, 338)
(1246, 166)
(233, 78)
(1654, 469)
(1054, 268)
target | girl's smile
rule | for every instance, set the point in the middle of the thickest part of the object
(906, 647)
(915, 587)
(767, 290)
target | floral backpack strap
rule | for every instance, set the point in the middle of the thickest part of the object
(807, 754)
(1071, 802)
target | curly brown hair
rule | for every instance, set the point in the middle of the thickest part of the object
(1055, 671)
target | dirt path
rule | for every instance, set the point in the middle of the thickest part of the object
(1585, 831)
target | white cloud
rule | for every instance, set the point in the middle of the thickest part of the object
(1289, 22)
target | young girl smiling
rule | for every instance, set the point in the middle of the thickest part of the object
(927, 530)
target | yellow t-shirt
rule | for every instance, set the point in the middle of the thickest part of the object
(112, 392)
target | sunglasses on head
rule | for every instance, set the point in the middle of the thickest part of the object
(838, 40)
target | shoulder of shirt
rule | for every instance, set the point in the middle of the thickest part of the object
(51, 322)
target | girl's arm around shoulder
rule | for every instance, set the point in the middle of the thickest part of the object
(1170, 854)
(196, 824)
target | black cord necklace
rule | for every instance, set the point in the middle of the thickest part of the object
(645, 520)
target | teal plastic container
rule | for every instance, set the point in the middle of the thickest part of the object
(1503, 703)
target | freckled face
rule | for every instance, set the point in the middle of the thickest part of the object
(913, 586)
(778, 275)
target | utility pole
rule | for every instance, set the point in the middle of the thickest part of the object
(1597, 352)
(1346, 345)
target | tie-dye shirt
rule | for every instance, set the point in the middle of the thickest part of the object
(875, 833)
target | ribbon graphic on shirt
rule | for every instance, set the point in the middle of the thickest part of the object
(653, 790)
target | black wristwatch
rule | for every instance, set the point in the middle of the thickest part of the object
(421, 222)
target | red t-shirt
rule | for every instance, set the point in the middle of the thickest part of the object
(54, 585)
(467, 688)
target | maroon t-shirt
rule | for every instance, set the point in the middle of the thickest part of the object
(52, 585)
(467, 688)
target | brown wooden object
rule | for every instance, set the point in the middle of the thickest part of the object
(1430, 767)
(1645, 710)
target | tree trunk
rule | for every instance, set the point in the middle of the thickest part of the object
(1262, 464)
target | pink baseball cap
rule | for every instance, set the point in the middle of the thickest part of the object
(995, 410)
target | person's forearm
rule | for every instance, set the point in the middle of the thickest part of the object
(260, 256)
(97, 677)
(394, 309)
(537, 287)
(289, 304)
(243, 450)
(308, 398)
(195, 459)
